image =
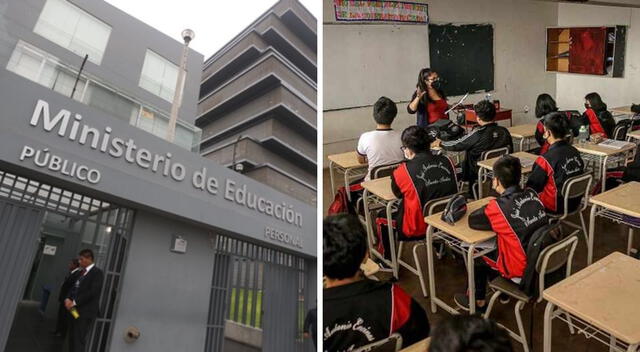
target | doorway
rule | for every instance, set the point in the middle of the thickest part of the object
(68, 223)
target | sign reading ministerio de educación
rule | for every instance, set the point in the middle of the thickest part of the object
(71, 127)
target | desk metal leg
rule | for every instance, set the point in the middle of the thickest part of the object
(472, 281)
(592, 230)
(346, 183)
(521, 144)
(548, 316)
(432, 283)
(630, 241)
(480, 173)
(367, 217)
(604, 174)
(331, 177)
(392, 240)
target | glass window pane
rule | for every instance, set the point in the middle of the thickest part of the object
(110, 102)
(184, 137)
(57, 22)
(146, 119)
(159, 76)
(160, 127)
(73, 28)
(90, 38)
(25, 63)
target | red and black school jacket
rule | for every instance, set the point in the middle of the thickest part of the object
(514, 217)
(417, 181)
(551, 170)
(601, 122)
(544, 145)
(366, 311)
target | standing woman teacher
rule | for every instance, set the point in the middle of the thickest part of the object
(429, 100)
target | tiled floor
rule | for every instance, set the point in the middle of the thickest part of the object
(451, 279)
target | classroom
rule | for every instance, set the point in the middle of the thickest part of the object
(481, 175)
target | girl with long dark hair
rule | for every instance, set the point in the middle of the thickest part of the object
(596, 116)
(544, 106)
(428, 102)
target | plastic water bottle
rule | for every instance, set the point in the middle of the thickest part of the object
(583, 135)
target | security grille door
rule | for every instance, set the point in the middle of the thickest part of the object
(280, 319)
(19, 233)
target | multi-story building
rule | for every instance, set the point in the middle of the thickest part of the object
(196, 257)
(257, 107)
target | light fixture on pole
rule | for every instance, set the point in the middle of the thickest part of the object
(188, 36)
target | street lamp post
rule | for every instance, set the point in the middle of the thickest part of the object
(188, 36)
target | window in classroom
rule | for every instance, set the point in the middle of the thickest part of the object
(159, 76)
(73, 28)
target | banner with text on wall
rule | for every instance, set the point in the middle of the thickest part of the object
(386, 11)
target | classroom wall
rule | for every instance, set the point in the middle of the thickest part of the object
(519, 54)
(571, 88)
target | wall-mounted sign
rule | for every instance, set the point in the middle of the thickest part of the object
(178, 244)
(49, 250)
(381, 11)
(72, 128)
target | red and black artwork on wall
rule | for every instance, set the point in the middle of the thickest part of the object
(587, 50)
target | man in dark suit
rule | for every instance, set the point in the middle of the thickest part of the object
(63, 316)
(84, 296)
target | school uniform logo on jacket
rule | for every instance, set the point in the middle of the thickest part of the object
(431, 177)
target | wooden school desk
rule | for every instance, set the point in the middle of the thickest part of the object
(420, 346)
(603, 157)
(524, 135)
(485, 167)
(346, 163)
(635, 135)
(463, 238)
(621, 112)
(601, 301)
(378, 193)
(618, 205)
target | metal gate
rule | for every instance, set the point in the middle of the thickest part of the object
(281, 309)
(104, 226)
(19, 233)
(262, 289)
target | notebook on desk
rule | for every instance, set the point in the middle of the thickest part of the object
(612, 143)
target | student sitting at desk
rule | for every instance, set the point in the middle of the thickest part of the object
(428, 102)
(552, 169)
(423, 177)
(544, 106)
(514, 216)
(487, 136)
(596, 116)
(358, 311)
(382, 146)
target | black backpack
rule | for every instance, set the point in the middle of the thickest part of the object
(445, 130)
(539, 240)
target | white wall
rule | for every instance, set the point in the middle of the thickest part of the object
(519, 56)
(571, 88)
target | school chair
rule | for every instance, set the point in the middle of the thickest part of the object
(486, 155)
(551, 259)
(431, 207)
(392, 343)
(574, 188)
